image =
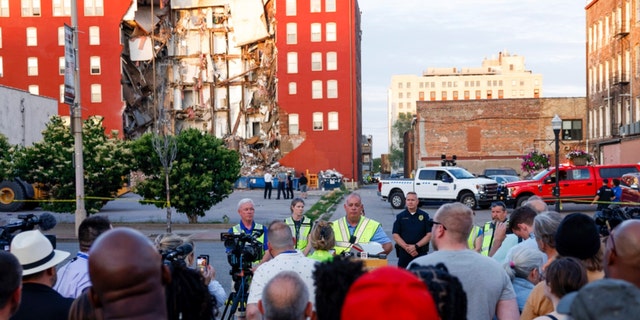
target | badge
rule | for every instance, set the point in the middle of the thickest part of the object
(420, 217)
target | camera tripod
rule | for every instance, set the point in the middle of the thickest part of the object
(237, 300)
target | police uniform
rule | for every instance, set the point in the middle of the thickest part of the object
(411, 228)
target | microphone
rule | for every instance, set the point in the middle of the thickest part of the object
(184, 249)
(369, 255)
(46, 221)
(257, 233)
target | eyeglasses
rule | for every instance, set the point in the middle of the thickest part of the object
(498, 204)
(438, 223)
(613, 241)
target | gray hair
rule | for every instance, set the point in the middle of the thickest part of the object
(524, 259)
(536, 203)
(243, 201)
(280, 236)
(545, 226)
(285, 297)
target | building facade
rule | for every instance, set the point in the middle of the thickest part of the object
(501, 77)
(613, 80)
(495, 133)
(32, 52)
(319, 85)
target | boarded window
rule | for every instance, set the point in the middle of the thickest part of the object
(474, 139)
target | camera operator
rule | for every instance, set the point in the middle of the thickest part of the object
(188, 295)
(247, 225)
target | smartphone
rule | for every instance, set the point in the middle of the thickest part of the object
(202, 261)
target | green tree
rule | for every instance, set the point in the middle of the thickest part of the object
(203, 172)
(399, 127)
(5, 158)
(377, 164)
(49, 163)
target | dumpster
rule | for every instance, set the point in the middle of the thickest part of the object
(331, 183)
(241, 183)
(256, 182)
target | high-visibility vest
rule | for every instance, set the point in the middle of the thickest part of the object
(472, 237)
(365, 230)
(303, 233)
(488, 238)
(238, 229)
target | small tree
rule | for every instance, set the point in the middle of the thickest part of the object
(396, 151)
(203, 173)
(5, 158)
(50, 164)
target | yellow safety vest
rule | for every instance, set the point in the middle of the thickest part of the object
(472, 237)
(488, 238)
(238, 229)
(365, 230)
(305, 229)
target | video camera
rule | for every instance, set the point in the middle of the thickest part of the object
(177, 255)
(242, 249)
(609, 218)
(45, 221)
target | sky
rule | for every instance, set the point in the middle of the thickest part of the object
(409, 36)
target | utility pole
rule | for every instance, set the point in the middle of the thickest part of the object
(76, 124)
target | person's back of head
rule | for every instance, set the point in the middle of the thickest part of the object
(536, 203)
(445, 288)
(89, 230)
(622, 257)
(565, 275)
(577, 236)
(457, 219)
(545, 226)
(10, 284)
(128, 276)
(285, 297)
(322, 236)
(332, 280)
(606, 299)
(280, 237)
(616, 182)
(82, 309)
(526, 263)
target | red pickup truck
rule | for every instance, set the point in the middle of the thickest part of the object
(577, 183)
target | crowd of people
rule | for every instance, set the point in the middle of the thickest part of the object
(532, 263)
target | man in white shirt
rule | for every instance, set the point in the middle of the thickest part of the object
(73, 277)
(268, 184)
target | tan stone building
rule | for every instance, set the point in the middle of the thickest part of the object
(494, 133)
(613, 80)
(501, 77)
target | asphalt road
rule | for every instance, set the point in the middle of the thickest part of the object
(152, 221)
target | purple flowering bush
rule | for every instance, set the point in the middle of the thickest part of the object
(534, 161)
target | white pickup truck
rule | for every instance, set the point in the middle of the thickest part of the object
(441, 184)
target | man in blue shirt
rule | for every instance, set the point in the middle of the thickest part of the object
(361, 229)
(617, 190)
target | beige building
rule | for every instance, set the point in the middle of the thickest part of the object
(501, 77)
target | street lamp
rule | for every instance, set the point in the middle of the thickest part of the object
(556, 124)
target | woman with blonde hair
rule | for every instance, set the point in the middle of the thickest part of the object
(322, 240)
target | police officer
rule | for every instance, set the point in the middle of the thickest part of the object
(411, 231)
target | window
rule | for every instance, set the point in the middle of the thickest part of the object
(95, 65)
(316, 32)
(332, 119)
(61, 8)
(290, 7)
(61, 99)
(294, 124)
(34, 89)
(316, 61)
(318, 124)
(330, 6)
(315, 6)
(4, 8)
(316, 89)
(292, 33)
(571, 129)
(96, 93)
(93, 8)
(293, 88)
(61, 65)
(332, 60)
(331, 31)
(32, 37)
(61, 36)
(32, 66)
(332, 89)
(30, 8)
(400, 95)
(94, 36)
(292, 62)
(443, 95)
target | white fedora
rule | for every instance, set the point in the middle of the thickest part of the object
(35, 252)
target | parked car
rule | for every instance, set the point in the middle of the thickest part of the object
(488, 172)
(630, 192)
(502, 180)
(577, 183)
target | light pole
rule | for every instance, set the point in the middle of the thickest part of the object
(556, 124)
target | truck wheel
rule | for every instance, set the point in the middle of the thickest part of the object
(521, 201)
(469, 200)
(397, 200)
(10, 191)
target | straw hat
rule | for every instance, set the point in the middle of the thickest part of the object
(35, 252)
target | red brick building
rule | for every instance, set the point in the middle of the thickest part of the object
(319, 89)
(494, 133)
(32, 52)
